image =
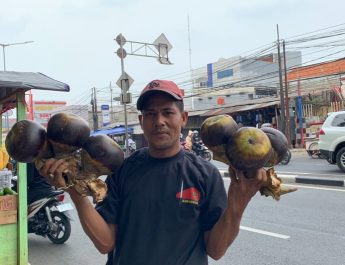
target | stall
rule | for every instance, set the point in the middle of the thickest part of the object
(13, 208)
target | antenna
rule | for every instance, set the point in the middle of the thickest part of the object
(190, 63)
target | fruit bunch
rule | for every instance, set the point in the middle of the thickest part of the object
(7, 191)
(67, 137)
(247, 149)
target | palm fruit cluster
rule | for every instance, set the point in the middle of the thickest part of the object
(247, 149)
(67, 137)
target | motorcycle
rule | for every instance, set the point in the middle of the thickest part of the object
(48, 216)
(286, 159)
(201, 150)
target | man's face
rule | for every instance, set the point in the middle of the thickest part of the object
(161, 122)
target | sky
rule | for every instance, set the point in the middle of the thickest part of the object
(74, 40)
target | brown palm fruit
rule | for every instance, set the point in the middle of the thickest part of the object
(27, 141)
(67, 132)
(218, 129)
(100, 155)
(279, 144)
(249, 149)
(216, 132)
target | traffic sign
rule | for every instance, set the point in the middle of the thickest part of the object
(121, 52)
(162, 45)
(125, 82)
(120, 39)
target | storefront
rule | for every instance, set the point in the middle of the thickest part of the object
(13, 208)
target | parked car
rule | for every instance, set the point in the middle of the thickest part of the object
(332, 139)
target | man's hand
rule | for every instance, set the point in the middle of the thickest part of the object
(242, 189)
(53, 170)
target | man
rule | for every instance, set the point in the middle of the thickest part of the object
(165, 205)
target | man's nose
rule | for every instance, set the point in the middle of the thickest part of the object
(160, 120)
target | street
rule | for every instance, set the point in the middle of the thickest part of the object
(304, 227)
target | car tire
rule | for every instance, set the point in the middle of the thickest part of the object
(340, 158)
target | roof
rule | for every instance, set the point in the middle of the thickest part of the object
(13, 82)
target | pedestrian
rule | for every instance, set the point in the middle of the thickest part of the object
(165, 205)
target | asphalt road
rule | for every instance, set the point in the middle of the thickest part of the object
(304, 227)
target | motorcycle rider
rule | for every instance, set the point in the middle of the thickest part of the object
(38, 187)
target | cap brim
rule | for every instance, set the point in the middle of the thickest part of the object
(143, 97)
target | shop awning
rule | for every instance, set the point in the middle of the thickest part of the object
(240, 108)
(12, 82)
(113, 131)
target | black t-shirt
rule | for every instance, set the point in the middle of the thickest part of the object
(162, 208)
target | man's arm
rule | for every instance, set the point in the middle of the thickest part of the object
(224, 232)
(101, 233)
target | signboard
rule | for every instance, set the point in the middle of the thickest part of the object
(105, 114)
(43, 110)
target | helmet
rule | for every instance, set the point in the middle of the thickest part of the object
(267, 124)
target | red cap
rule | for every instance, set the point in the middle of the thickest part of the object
(166, 86)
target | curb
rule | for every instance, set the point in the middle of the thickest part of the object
(301, 180)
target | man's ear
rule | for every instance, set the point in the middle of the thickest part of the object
(184, 118)
(140, 117)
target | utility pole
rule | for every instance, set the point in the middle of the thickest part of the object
(111, 105)
(94, 109)
(287, 105)
(282, 112)
(159, 49)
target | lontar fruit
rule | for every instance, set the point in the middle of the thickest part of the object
(249, 149)
(218, 129)
(66, 133)
(101, 155)
(26, 141)
(279, 144)
(69, 129)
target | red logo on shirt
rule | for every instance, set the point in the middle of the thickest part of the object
(190, 195)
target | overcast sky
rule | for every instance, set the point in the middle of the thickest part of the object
(74, 40)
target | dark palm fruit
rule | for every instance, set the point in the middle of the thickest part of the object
(68, 129)
(26, 141)
(249, 149)
(278, 141)
(218, 129)
(103, 155)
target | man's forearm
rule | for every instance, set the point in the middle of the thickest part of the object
(223, 234)
(101, 233)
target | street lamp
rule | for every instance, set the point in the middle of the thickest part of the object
(4, 45)
(159, 49)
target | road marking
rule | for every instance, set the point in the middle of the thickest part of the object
(307, 173)
(263, 232)
(314, 188)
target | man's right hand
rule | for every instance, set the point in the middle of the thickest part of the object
(53, 171)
